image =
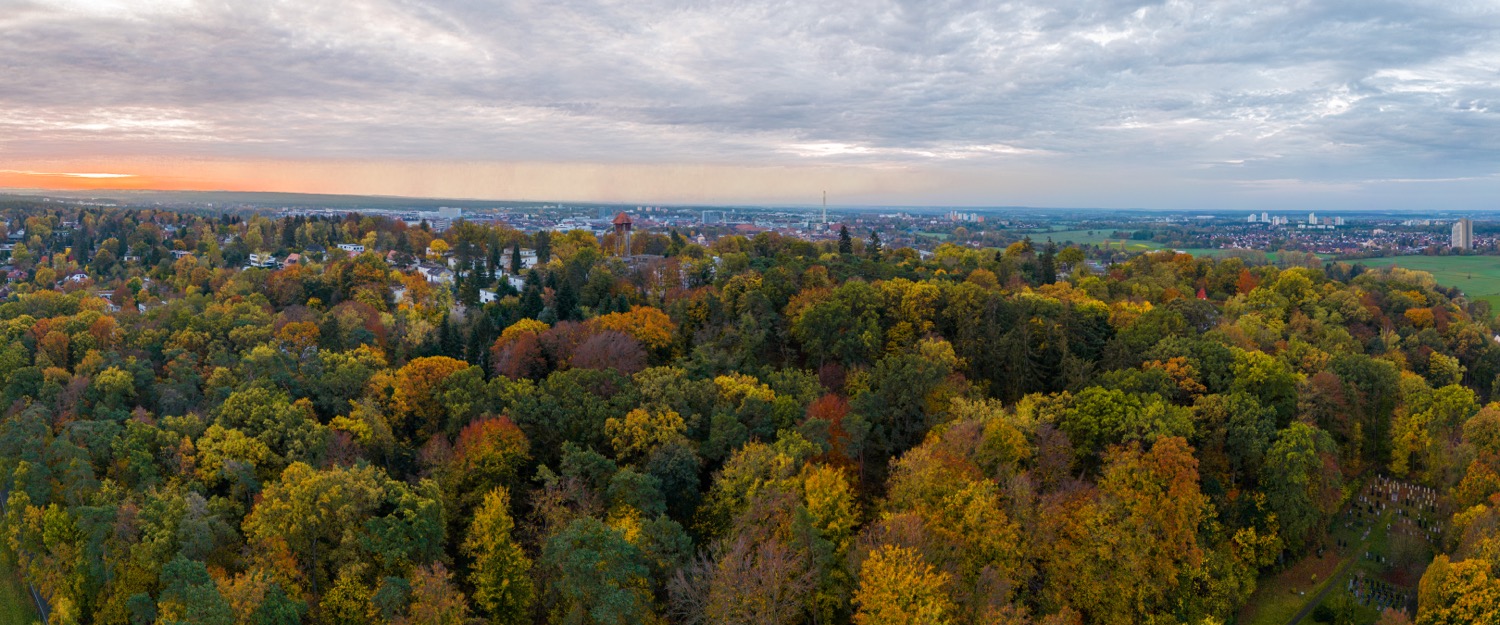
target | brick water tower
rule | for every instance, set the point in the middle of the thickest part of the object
(622, 234)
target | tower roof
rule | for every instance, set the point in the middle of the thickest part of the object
(622, 218)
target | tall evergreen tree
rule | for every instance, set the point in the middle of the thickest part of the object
(543, 247)
(493, 253)
(449, 342)
(565, 299)
(330, 335)
(468, 291)
(289, 232)
(674, 247)
(846, 244)
(477, 350)
(1047, 264)
(531, 296)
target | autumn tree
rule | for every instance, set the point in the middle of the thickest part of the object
(430, 393)
(500, 572)
(1301, 481)
(1145, 519)
(434, 599)
(897, 587)
(652, 327)
(339, 516)
(600, 577)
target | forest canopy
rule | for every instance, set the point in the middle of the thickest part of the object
(761, 429)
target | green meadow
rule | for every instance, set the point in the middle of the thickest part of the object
(1094, 237)
(1477, 276)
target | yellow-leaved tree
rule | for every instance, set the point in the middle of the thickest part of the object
(501, 573)
(898, 587)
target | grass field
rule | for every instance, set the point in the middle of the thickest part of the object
(1093, 237)
(1278, 597)
(15, 604)
(1477, 276)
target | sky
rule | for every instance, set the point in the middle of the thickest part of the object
(1235, 104)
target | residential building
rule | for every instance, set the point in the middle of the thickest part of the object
(436, 274)
(1463, 235)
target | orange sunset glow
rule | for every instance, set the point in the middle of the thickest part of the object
(483, 180)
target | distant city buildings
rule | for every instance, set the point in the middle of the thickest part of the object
(450, 213)
(1463, 235)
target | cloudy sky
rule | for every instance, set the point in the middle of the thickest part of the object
(1108, 103)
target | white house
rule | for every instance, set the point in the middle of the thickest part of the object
(488, 295)
(528, 259)
(262, 260)
(352, 248)
(436, 275)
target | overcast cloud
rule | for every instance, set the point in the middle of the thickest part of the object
(1359, 102)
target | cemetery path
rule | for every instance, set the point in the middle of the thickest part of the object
(1332, 582)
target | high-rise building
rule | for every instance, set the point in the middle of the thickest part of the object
(450, 212)
(1251, 219)
(1312, 218)
(1265, 218)
(1463, 235)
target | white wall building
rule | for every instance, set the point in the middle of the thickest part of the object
(1463, 235)
(437, 275)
